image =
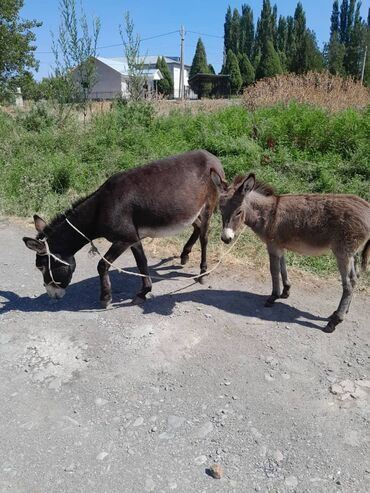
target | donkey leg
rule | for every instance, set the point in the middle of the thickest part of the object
(275, 276)
(190, 243)
(345, 267)
(142, 265)
(105, 286)
(203, 237)
(285, 278)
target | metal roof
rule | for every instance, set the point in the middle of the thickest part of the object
(120, 65)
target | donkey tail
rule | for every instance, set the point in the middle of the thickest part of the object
(365, 256)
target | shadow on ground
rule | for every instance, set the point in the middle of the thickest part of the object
(84, 295)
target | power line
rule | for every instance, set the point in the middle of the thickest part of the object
(118, 44)
(205, 34)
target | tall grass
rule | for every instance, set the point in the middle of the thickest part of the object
(295, 147)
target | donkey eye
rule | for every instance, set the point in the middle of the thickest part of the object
(238, 213)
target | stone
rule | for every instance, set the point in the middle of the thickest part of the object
(291, 481)
(100, 402)
(336, 389)
(278, 456)
(138, 421)
(201, 459)
(102, 456)
(347, 385)
(203, 430)
(363, 383)
(269, 378)
(175, 422)
(149, 485)
(216, 471)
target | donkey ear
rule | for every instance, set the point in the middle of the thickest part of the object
(218, 181)
(35, 245)
(248, 184)
(40, 224)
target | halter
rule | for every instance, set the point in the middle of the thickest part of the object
(50, 255)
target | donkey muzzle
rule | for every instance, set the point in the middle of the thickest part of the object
(55, 292)
(227, 235)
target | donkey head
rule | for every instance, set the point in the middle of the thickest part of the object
(232, 205)
(56, 269)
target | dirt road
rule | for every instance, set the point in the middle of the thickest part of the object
(147, 398)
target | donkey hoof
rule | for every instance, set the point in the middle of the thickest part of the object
(201, 279)
(139, 299)
(270, 301)
(184, 259)
(285, 294)
(330, 327)
(105, 303)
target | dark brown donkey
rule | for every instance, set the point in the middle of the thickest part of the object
(158, 199)
(309, 224)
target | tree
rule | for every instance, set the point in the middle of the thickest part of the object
(135, 63)
(313, 59)
(298, 61)
(200, 66)
(264, 26)
(246, 70)
(227, 31)
(343, 21)
(211, 70)
(334, 18)
(246, 31)
(355, 45)
(282, 34)
(269, 64)
(16, 50)
(232, 69)
(165, 85)
(74, 51)
(334, 55)
(235, 31)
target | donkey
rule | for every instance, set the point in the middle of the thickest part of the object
(310, 224)
(158, 199)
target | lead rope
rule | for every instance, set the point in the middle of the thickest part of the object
(49, 255)
(94, 250)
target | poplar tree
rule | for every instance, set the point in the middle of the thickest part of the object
(334, 18)
(235, 31)
(227, 30)
(282, 34)
(246, 31)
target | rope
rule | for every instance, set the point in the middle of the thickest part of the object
(49, 254)
(94, 249)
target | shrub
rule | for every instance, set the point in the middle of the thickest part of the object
(324, 90)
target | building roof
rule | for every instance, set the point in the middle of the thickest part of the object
(120, 65)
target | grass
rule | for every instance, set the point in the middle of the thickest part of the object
(296, 147)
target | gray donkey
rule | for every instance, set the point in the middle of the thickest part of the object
(310, 224)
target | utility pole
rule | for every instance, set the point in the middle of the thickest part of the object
(182, 70)
(363, 66)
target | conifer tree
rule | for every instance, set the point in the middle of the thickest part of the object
(246, 31)
(355, 45)
(200, 66)
(165, 85)
(235, 31)
(246, 70)
(232, 69)
(298, 59)
(269, 64)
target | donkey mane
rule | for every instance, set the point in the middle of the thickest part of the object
(259, 187)
(59, 218)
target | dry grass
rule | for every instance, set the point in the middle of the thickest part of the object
(331, 92)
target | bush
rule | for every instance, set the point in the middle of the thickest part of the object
(38, 118)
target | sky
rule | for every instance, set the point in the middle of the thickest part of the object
(201, 18)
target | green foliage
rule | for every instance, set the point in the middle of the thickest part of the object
(200, 66)
(269, 64)
(16, 45)
(232, 69)
(246, 70)
(165, 85)
(37, 119)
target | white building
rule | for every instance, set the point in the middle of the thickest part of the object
(112, 76)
